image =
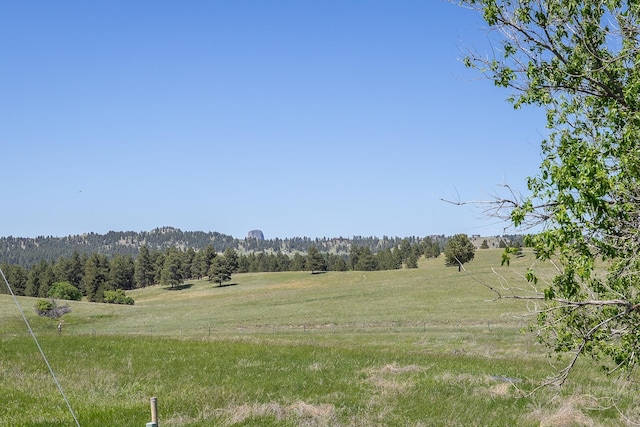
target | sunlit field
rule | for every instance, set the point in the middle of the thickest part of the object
(420, 347)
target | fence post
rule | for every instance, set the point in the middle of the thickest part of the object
(154, 413)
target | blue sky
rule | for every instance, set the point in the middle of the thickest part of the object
(300, 118)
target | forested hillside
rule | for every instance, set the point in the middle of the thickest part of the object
(27, 252)
(98, 276)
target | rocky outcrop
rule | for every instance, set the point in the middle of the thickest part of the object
(255, 234)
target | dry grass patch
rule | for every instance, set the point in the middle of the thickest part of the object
(384, 380)
(177, 420)
(303, 414)
(315, 367)
(463, 378)
(390, 387)
(299, 284)
(567, 413)
(395, 369)
(496, 387)
(503, 389)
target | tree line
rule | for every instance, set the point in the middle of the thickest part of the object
(28, 252)
(96, 275)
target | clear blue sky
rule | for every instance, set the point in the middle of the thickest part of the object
(316, 118)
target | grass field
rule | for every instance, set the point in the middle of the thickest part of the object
(415, 347)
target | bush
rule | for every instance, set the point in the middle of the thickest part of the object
(65, 290)
(117, 297)
(49, 308)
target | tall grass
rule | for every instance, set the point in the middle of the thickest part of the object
(409, 347)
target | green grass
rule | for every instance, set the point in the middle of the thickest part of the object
(406, 348)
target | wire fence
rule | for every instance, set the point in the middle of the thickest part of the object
(348, 328)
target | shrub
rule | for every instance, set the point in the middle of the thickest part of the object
(65, 290)
(117, 297)
(49, 308)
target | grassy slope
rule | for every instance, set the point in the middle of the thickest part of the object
(433, 294)
(408, 347)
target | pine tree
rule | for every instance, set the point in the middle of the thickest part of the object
(315, 261)
(144, 269)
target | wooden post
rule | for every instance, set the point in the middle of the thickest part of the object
(154, 413)
(154, 410)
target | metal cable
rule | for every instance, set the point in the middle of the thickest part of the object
(40, 349)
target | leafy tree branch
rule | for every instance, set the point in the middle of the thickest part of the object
(577, 59)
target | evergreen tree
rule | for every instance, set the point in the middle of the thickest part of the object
(365, 260)
(121, 272)
(244, 264)
(157, 258)
(403, 251)
(315, 261)
(144, 268)
(283, 262)
(70, 269)
(96, 275)
(231, 259)
(412, 260)
(431, 248)
(187, 263)
(388, 260)
(272, 263)
(260, 263)
(16, 276)
(39, 279)
(298, 262)
(354, 255)
(171, 273)
(200, 264)
(220, 270)
(336, 262)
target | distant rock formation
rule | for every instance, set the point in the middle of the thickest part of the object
(255, 234)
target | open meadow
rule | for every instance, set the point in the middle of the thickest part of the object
(412, 347)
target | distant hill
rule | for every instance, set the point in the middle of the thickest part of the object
(28, 251)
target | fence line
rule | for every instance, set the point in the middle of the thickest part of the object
(212, 330)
